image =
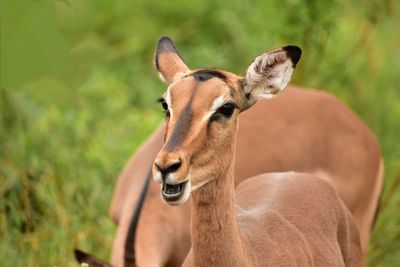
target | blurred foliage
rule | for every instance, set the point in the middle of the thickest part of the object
(78, 88)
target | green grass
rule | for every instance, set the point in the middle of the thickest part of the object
(78, 91)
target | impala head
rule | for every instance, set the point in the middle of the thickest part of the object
(201, 109)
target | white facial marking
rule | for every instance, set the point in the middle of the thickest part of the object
(186, 194)
(169, 102)
(218, 102)
(158, 177)
(170, 179)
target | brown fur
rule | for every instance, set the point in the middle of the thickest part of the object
(260, 130)
(283, 219)
(302, 130)
(290, 214)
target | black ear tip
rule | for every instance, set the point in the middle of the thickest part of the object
(80, 256)
(294, 52)
(165, 38)
(165, 44)
(83, 257)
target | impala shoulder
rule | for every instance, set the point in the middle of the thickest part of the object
(287, 187)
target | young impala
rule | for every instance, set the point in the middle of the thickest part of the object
(300, 130)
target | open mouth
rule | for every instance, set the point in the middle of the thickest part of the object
(173, 192)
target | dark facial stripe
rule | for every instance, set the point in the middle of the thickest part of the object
(181, 127)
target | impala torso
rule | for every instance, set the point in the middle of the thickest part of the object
(284, 219)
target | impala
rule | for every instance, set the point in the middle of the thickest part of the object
(285, 219)
(300, 130)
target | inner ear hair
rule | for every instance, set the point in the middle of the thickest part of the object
(270, 72)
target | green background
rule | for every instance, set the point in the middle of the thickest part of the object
(78, 91)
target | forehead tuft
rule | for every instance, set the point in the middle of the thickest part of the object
(201, 94)
(204, 75)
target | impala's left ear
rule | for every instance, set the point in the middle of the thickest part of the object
(270, 72)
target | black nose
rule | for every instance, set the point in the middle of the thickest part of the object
(169, 167)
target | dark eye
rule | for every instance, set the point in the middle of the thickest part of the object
(164, 106)
(226, 110)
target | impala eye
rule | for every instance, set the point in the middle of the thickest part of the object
(226, 110)
(164, 106)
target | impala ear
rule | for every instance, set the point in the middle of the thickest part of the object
(168, 62)
(91, 261)
(270, 72)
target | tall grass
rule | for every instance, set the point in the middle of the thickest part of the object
(78, 88)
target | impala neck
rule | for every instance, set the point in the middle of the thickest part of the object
(216, 238)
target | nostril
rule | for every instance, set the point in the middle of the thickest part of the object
(158, 167)
(174, 167)
(168, 168)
